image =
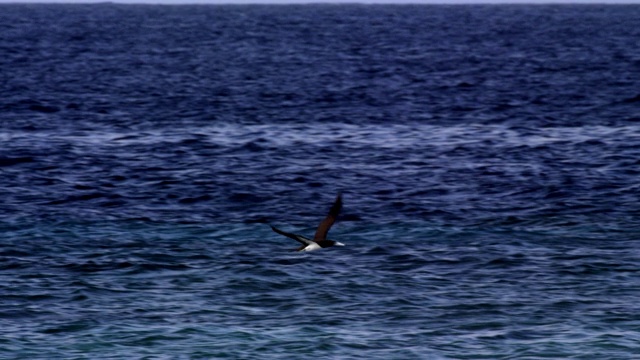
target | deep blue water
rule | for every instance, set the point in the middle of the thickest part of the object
(489, 158)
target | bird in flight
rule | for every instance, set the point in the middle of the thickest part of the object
(320, 238)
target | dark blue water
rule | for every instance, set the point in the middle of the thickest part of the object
(489, 158)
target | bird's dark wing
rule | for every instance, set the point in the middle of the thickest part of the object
(295, 237)
(325, 225)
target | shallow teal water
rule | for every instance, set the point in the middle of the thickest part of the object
(404, 290)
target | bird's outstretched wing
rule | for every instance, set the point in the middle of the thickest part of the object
(304, 241)
(325, 225)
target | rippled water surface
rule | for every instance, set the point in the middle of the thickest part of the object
(487, 155)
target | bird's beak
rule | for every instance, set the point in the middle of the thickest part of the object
(339, 244)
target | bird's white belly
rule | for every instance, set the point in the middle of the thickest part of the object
(312, 247)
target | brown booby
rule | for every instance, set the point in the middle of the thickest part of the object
(320, 238)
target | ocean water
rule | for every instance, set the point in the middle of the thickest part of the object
(488, 156)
